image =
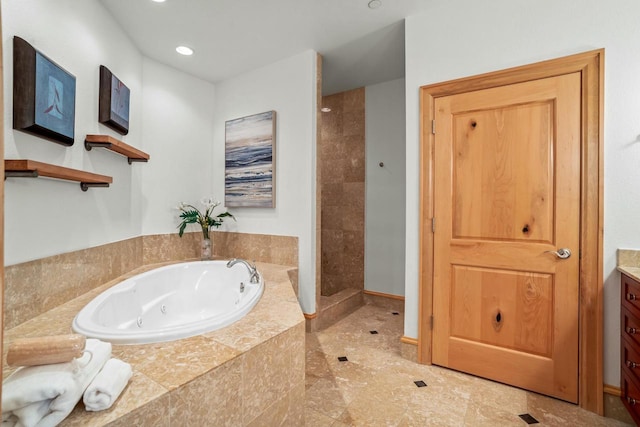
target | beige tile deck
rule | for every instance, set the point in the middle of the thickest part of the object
(212, 379)
(375, 387)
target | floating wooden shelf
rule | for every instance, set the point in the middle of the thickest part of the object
(105, 141)
(33, 169)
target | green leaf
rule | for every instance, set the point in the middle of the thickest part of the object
(183, 225)
(191, 216)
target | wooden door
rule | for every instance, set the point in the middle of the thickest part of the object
(507, 194)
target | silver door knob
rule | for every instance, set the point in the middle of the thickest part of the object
(562, 253)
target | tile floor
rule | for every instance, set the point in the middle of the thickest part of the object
(375, 386)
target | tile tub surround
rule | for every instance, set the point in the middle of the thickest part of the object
(249, 373)
(34, 287)
(281, 250)
(629, 262)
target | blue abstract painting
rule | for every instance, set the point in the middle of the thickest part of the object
(120, 95)
(113, 102)
(55, 98)
(250, 161)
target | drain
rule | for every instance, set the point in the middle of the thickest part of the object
(139, 322)
(163, 309)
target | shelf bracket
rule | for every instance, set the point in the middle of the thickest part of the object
(21, 174)
(130, 160)
(89, 145)
(24, 168)
(105, 141)
(86, 185)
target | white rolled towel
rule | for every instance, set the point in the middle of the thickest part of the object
(107, 385)
(45, 395)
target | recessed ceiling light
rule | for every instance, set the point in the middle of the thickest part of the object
(374, 4)
(183, 50)
(325, 109)
(159, 1)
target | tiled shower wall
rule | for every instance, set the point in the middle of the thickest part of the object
(342, 164)
(34, 287)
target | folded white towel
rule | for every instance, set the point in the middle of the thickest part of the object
(107, 385)
(45, 395)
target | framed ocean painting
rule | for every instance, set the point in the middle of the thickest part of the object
(44, 95)
(249, 179)
(113, 104)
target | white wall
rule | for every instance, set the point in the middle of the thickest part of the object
(45, 217)
(171, 119)
(460, 38)
(289, 88)
(177, 118)
(385, 197)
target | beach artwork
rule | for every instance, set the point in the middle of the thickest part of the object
(250, 161)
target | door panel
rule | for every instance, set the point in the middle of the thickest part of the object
(506, 185)
(518, 304)
(494, 198)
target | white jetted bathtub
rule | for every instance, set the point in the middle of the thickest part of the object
(169, 303)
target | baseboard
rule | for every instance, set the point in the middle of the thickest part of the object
(408, 340)
(614, 391)
(310, 316)
(382, 294)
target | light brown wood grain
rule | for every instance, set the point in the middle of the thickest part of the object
(524, 301)
(509, 157)
(409, 340)
(427, 199)
(53, 171)
(488, 156)
(1, 199)
(117, 146)
(592, 234)
(383, 295)
(590, 66)
(45, 350)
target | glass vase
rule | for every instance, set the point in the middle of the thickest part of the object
(205, 249)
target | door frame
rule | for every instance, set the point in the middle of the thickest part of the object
(591, 67)
(1, 194)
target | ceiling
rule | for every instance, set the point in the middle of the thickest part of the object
(360, 46)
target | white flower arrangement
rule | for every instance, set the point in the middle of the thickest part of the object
(191, 215)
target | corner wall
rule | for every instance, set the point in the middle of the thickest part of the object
(474, 38)
(177, 118)
(45, 217)
(171, 118)
(385, 197)
(288, 87)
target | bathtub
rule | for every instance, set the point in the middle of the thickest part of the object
(169, 303)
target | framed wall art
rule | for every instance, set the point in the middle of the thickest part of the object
(44, 95)
(113, 102)
(250, 161)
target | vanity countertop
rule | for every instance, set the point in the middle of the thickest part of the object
(629, 262)
(633, 272)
